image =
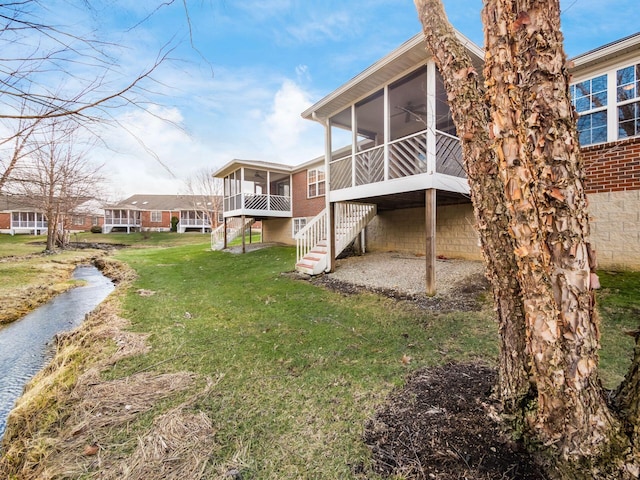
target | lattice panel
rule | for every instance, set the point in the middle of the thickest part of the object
(280, 203)
(256, 202)
(408, 157)
(370, 166)
(340, 173)
(449, 156)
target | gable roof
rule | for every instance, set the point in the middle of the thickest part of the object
(164, 202)
(411, 53)
(607, 55)
(23, 203)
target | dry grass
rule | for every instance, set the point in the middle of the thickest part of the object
(70, 423)
(32, 280)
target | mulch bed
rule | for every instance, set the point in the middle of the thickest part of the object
(441, 425)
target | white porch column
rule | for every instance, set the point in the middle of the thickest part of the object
(354, 144)
(327, 195)
(387, 132)
(431, 117)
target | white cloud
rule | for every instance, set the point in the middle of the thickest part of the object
(291, 136)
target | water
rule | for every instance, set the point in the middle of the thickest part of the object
(25, 345)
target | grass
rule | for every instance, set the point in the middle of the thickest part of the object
(302, 368)
(299, 369)
(619, 308)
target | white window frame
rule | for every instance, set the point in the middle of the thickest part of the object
(613, 105)
(316, 182)
(297, 224)
(78, 220)
(155, 216)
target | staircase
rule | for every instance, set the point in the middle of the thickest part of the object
(311, 241)
(234, 230)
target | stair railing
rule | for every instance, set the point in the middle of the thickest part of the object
(311, 234)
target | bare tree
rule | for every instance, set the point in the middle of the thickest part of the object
(526, 178)
(206, 191)
(57, 177)
(49, 71)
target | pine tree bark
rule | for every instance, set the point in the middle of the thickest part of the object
(535, 233)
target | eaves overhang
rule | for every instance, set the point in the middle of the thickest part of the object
(235, 164)
(609, 53)
(407, 56)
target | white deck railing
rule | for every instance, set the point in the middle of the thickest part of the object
(406, 156)
(311, 234)
(234, 229)
(350, 219)
(254, 201)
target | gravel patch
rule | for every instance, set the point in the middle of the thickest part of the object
(404, 273)
(460, 284)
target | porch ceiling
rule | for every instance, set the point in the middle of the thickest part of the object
(409, 55)
(415, 199)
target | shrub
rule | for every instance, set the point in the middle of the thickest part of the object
(96, 229)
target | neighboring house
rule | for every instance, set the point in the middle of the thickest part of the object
(283, 198)
(155, 213)
(19, 216)
(399, 185)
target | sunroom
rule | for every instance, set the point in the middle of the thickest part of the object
(255, 189)
(252, 190)
(121, 219)
(391, 142)
(396, 123)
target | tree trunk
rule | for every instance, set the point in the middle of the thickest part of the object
(526, 181)
(471, 117)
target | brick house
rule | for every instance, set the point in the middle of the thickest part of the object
(281, 197)
(20, 215)
(142, 212)
(397, 183)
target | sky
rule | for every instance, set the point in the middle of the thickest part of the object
(240, 73)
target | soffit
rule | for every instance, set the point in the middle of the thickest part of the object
(408, 56)
(608, 54)
(234, 165)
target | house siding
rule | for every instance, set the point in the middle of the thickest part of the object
(612, 167)
(303, 206)
(164, 225)
(613, 190)
(5, 221)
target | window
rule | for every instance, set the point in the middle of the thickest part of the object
(156, 216)
(628, 97)
(608, 105)
(589, 98)
(315, 182)
(297, 225)
(78, 220)
(95, 221)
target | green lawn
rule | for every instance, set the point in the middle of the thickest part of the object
(300, 368)
(303, 368)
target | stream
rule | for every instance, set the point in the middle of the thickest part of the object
(26, 345)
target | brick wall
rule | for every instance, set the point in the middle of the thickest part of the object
(164, 224)
(612, 167)
(403, 231)
(303, 206)
(5, 221)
